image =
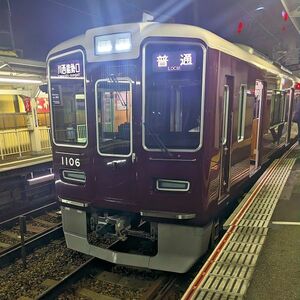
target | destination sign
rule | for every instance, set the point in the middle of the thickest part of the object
(71, 69)
(174, 61)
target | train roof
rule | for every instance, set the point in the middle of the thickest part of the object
(141, 31)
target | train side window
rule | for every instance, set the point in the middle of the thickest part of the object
(242, 112)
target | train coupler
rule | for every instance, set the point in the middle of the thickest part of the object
(113, 226)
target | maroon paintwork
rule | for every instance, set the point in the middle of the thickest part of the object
(130, 186)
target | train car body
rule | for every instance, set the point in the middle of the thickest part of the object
(154, 126)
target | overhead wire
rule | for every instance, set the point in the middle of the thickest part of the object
(72, 8)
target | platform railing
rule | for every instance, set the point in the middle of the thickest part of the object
(17, 141)
(14, 141)
(45, 138)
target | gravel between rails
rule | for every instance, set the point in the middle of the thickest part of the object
(120, 282)
(51, 262)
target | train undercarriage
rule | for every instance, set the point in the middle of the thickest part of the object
(159, 246)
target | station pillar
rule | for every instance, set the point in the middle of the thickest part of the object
(33, 126)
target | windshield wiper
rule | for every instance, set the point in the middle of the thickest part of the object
(113, 78)
(158, 140)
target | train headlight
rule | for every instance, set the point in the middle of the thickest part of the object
(123, 44)
(113, 43)
(104, 46)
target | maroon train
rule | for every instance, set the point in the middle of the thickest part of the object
(154, 126)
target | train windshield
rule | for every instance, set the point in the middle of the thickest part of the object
(114, 116)
(68, 101)
(173, 95)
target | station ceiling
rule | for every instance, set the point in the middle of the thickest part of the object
(270, 26)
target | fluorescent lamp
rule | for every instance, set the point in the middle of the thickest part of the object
(40, 179)
(19, 80)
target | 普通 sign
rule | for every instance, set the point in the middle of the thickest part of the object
(172, 61)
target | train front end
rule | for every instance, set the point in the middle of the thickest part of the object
(127, 105)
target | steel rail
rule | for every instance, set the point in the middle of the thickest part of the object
(9, 211)
(164, 290)
(156, 292)
(32, 213)
(31, 244)
(54, 291)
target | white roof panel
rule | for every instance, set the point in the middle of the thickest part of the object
(141, 31)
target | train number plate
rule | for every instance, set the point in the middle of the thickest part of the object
(70, 161)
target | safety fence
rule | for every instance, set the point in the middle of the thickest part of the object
(18, 142)
(45, 138)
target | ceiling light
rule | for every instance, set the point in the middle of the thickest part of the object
(19, 80)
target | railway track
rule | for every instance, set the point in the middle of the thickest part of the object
(41, 224)
(55, 272)
(28, 214)
(96, 279)
(45, 266)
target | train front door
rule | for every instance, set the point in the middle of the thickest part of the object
(226, 135)
(115, 171)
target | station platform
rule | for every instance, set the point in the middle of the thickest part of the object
(258, 258)
(26, 160)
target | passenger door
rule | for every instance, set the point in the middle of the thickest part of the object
(115, 168)
(290, 106)
(260, 97)
(226, 135)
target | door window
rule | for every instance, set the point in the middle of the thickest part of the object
(114, 116)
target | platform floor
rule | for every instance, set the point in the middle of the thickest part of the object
(259, 256)
(16, 162)
(277, 272)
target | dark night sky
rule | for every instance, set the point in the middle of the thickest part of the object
(39, 25)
